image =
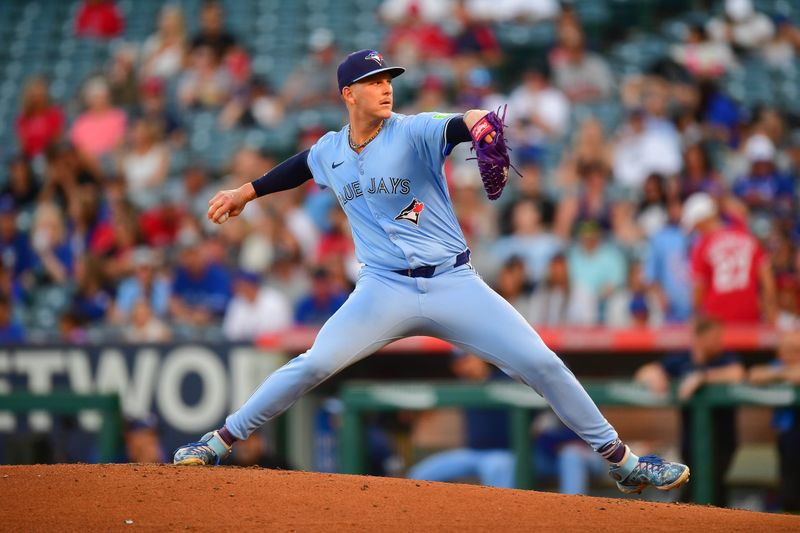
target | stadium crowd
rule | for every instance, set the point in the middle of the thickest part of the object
(684, 204)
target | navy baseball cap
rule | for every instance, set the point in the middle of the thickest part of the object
(361, 64)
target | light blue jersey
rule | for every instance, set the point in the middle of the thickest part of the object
(395, 196)
(394, 192)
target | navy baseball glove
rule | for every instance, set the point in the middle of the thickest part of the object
(493, 161)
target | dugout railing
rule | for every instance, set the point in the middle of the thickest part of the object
(358, 398)
(109, 435)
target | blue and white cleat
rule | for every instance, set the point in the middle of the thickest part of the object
(634, 474)
(209, 450)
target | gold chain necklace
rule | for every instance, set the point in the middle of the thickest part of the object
(355, 146)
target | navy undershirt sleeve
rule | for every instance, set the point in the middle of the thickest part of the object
(290, 174)
(457, 131)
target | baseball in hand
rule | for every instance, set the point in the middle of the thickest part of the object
(223, 217)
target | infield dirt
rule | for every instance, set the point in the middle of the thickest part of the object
(167, 498)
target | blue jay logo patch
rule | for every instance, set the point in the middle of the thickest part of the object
(375, 56)
(412, 212)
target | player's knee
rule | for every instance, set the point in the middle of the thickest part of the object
(318, 369)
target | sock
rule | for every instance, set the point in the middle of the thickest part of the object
(613, 451)
(226, 436)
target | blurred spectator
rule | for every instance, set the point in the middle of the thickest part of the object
(255, 309)
(721, 114)
(53, 258)
(194, 190)
(163, 52)
(590, 148)
(40, 123)
(11, 331)
(322, 302)
(728, 267)
(16, 252)
(312, 83)
(528, 240)
(592, 201)
(436, 11)
(632, 306)
(513, 285)
(256, 105)
(144, 163)
(153, 107)
(142, 441)
(652, 211)
(100, 128)
(582, 75)
(782, 50)
(92, 299)
(707, 362)
(212, 30)
(72, 328)
(698, 175)
(415, 41)
(201, 289)
(643, 149)
(477, 90)
(558, 302)
(765, 190)
(474, 41)
(146, 283)
(100, 19)
(144, 326)
(666, 268)
(741, 26)
(65, 172)
(22, 187)
(206, 83)
(431, 96)
(337, 240)
(123, 78)
(530, 187)
(786, 420)
(538, 112)
(115, 240)
(596, 264)
(703, 57)
(511, 10)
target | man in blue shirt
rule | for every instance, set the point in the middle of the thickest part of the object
(386, 170)
(666, 267)
(706, 362)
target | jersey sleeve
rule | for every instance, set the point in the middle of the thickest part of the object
(314, 160)
(427, 133)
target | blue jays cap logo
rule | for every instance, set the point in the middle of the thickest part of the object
(358, 66)
(376, 57)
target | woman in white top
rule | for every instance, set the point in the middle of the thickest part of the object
(144, 164)
(163, 52)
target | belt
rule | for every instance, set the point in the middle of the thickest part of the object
(428, 271)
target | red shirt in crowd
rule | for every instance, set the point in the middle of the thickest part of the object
(99, 19)
(38, 130)
(726, 262)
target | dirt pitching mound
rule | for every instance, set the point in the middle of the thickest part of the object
(160, 498)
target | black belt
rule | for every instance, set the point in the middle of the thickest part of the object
(428, 271)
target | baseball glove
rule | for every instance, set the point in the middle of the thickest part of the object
(493, 161)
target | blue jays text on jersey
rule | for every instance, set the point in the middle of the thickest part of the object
(377, 186)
